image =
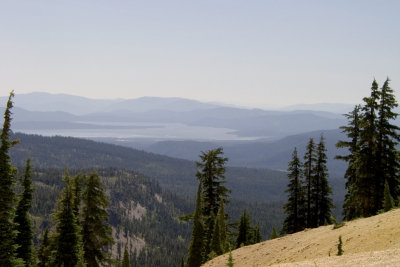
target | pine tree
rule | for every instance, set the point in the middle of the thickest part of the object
(230, 262)
(309, 160)
(274, 234)
(211, 174)
(295, 207)
(125, 259)
(257, 234)
(388, 201)
(351, 204)
(218, 241)
(388, 137)
(67, 239)
(78, 182)
(96, 232)
(196, 247)
(22, 219)
(321, 191)
(44, 250)
(340, 249)
(243, 237)
(366, 160)
(7, 194)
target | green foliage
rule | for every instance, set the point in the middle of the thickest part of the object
(388, 201)
(231, 261)
(309, 161)
(339, 247)
(321, 191)
(274, 234)
(7, 194)
(44, 252)
(67, 238)
(125, 260)
(196, 247)
(96, 233)
(211, 174)
(295, 207)
(243, 237)
(352, 131)
(373, 157)
(22, 219)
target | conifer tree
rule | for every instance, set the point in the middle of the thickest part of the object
(366, 160)
(211, 174)
(352, 131)
(196, 247)
(218, 241)
(388, 201)
(67, 239)
(243, 237)
(309, 160)
(230, 262)
(7, 194)
(257, 234)
(96, 232)
(44, 253)
(274, 234)
(387, 140)
(22, 219)
(321, 191)
(125, 259)
(78, 182)
(295, 207)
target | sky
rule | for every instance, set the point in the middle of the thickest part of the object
(254, 53)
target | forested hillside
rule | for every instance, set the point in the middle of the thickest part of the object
(142, 215)
(174, 174)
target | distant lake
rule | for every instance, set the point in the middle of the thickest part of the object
(168, 131)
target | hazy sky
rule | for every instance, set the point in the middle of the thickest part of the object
(259, 53)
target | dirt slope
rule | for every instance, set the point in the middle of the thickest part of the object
(373, 241)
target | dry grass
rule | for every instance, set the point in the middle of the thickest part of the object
(372, 241)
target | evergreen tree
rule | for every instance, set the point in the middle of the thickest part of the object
(182, 262)
(96, 233)
(274, 234)
(352, 131)
(196, 247)
(366, 159)
(309, 160)
(211, 174)
(125, 259)
(67, 239)
(295, 207)
(321, 191)
(388, 201)
(44, 253)
(388, 137)
(257, 234)
(22, 219)
(243, 237)
(7, 194)
(218, 241)
(78, 182)
(230, 260)
(340, 249)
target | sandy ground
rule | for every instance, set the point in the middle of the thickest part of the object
(372, 241)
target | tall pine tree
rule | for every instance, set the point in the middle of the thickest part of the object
(23, 221)
(196, 247)
(352, 131)
(7, 194)
(309, 161)
(96, 232)
(211, 174)
(295, 207)
(388, 138)
(67, 237)
(321, 191)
